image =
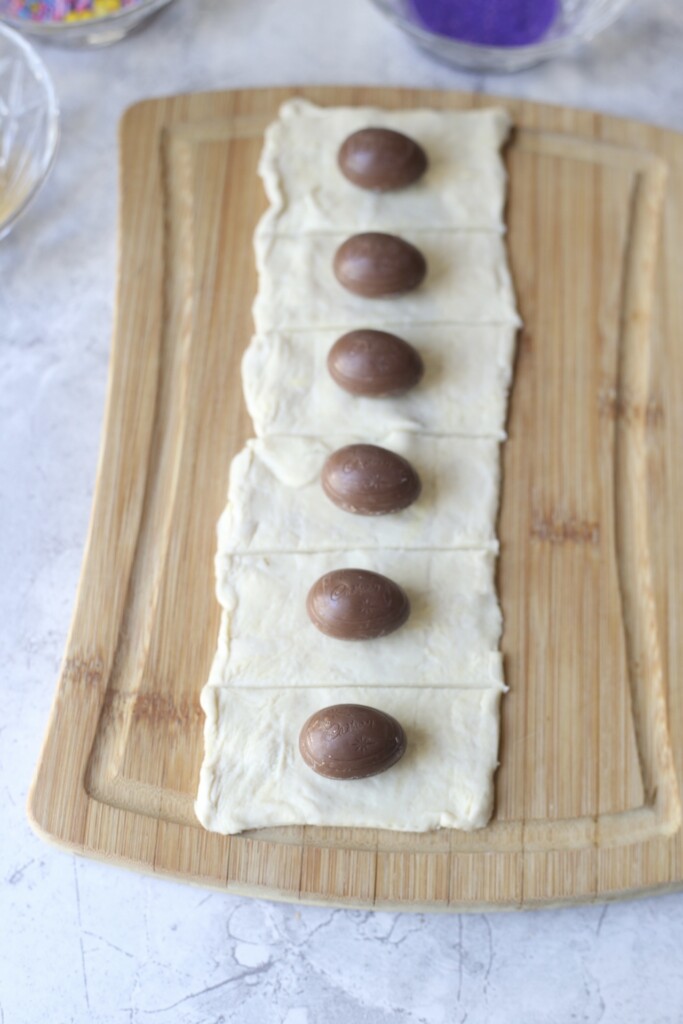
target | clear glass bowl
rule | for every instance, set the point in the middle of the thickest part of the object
(577, 21)
(29, 126)
(101, 30)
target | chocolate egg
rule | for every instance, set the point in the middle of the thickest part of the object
(351, 741)
(373, 264)
(374, 363)
(356, 604)
(369, 480)
(381, 159)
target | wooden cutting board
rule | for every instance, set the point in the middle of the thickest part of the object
(591, 568)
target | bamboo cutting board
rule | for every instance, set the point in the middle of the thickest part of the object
(591, 567)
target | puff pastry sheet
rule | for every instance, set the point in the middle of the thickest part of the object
(441, 674)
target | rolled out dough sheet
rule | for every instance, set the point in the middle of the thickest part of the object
(450, 639)
(467, 282)
(463, 187)
(253, 775)
(289, 390)
(277, 503)
(441, 674)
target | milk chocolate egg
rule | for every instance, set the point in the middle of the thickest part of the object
(381, 160)
(374, 264)
(369, 480)
(351, 741)
(374, 363)
(356, 604)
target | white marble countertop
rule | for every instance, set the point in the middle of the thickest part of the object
(83, 941)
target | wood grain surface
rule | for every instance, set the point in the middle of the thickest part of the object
(591, 567)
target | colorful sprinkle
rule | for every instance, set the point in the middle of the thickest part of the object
(63, 10)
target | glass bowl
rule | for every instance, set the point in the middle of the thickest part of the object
(29, 126)
(95, 30)
(576, 21)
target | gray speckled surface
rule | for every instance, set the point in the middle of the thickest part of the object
(85, 942)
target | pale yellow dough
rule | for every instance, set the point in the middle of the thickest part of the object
(467, 282)
(289, 390)
(457, 506)
(450, 639)
(253, 775)
(464, 186)
(441, 675)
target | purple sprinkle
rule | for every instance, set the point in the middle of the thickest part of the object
(488, 22)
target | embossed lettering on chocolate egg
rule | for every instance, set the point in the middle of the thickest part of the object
(369, 481)
(351, 741)
(374, 363)
(381, 159)
(356, 604)
(374, 264)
